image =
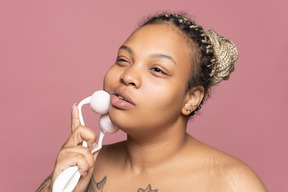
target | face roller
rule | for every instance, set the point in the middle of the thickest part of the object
(99, 103)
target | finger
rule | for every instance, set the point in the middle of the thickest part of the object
(75, 159)
(79, 135)
(70, 157)
(75, 121)
(79, 156)
(84, 180)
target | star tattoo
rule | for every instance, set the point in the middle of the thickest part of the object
(148, 189)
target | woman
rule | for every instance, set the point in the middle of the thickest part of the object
(162, 75)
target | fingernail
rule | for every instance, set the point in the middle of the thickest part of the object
(94, 144)
(84, 174)
(73, 105)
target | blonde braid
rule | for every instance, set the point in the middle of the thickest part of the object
(225, 55)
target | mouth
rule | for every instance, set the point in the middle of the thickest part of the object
(121, 99)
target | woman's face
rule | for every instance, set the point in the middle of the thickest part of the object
(148, 80)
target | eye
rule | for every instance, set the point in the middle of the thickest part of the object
(122, 61)
(158, 70)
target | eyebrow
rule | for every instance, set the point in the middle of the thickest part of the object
(127, 49)
(159, 55)
(156, 55)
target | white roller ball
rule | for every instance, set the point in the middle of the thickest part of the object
(106, 125)
(100, 102)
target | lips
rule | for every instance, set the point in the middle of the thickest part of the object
(121, 99)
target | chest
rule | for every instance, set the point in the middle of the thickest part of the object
(169, 182)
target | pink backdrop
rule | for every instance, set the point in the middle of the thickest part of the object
(54, 53)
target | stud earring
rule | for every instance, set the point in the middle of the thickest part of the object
(195, 107)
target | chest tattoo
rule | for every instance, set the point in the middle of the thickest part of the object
(98, 187)
(148, 189)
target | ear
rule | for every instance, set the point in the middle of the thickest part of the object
(193, 99)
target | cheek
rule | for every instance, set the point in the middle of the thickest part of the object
(161, 110)
(165, 99)
(110, 78)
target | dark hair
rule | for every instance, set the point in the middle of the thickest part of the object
(201, 63)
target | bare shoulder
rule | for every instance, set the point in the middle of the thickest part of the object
(240, 177)
(228, 173)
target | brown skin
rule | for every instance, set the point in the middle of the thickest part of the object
(158, 153)
(72, 153)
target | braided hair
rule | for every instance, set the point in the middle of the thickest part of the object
(213, 55)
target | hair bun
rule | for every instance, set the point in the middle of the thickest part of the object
(225, 55)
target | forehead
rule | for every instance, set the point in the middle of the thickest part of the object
(160, 38)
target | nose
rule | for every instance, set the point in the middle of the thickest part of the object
(131, 77)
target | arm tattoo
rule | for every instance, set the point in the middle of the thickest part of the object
(98, 187)
(44, 184)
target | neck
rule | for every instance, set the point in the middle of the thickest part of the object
(147, 153)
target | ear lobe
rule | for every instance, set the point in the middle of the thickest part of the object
(194, 99)
(187, 109)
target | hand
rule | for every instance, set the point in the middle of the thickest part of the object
(72, 153)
